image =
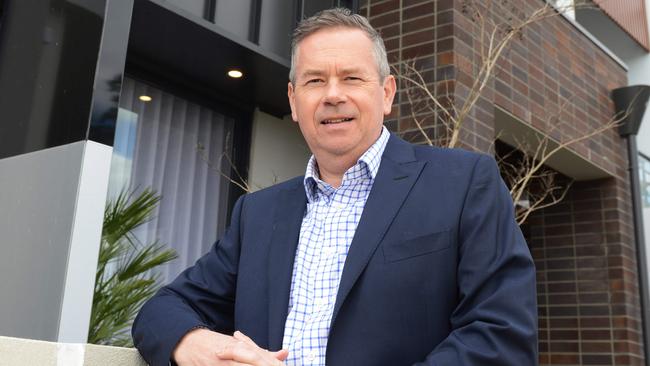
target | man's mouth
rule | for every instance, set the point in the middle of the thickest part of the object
(336, 120)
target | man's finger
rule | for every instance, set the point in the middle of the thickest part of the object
(281, 354)
(241, 351)
(244, 338)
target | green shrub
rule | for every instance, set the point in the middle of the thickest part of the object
(122, 282)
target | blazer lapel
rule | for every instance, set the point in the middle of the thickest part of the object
(397, 173)
(284, 240)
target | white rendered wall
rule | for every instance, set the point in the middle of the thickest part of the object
(51, 209)
(278, 151)
(84, 243)
(640, 74)
(18, 352)
(37, 202)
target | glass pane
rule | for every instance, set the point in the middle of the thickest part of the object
(175, 147)
(123, 147)
(48, 68)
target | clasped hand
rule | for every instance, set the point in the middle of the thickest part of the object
(202, 347)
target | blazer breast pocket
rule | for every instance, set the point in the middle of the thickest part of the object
(417, 246)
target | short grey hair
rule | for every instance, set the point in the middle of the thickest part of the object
(339, 17)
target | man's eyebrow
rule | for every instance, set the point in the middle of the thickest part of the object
(308, 73)
(346, 71)
(351, 70)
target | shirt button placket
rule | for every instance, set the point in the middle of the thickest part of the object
(312, 355)
(321, 304)
(329, 251)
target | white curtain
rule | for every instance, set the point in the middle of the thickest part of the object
(173, 140)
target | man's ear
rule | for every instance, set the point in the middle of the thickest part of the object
(390, 87)
(292, 102)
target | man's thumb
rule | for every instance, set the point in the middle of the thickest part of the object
(281, 354)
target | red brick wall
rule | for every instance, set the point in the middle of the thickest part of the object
(587, 293)
(555, 79)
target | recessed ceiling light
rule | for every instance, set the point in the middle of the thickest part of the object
(235, 74)
(145, 98)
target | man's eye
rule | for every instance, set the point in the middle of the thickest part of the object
(352, 78)
(314, 81)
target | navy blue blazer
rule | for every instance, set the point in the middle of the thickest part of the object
(438, 272)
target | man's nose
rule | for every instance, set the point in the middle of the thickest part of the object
(334, 94)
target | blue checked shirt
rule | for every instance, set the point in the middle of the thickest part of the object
(325, 235)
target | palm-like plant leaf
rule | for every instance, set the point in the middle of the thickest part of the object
(123, 281)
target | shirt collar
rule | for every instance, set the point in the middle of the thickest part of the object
(371, 159)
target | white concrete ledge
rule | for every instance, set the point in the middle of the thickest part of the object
(18, 352)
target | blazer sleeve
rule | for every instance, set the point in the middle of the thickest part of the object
(495, 320)
(201, 296)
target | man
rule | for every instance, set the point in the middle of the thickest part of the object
(385, 253)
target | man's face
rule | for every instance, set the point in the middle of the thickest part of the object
(338, 100)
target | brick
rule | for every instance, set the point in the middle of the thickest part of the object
(418, 10)
(419, 24)
(384, 7)
(583, 248)
(426, 35)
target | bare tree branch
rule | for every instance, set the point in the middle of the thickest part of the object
(525, 167)
(239, 181)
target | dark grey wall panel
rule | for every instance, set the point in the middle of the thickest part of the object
(276, 25)
(235, 17)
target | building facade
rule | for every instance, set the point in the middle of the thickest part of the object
(99, 95)
(556, 80)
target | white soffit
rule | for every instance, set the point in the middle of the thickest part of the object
(514, 132)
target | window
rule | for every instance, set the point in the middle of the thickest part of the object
(173, 146)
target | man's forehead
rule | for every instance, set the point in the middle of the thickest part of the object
(339, 48)
(334, 38)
